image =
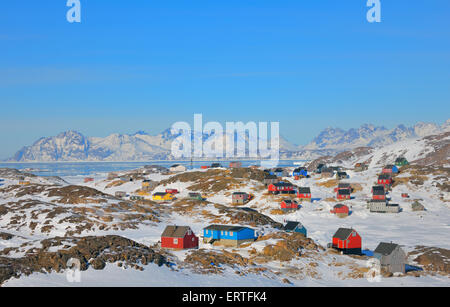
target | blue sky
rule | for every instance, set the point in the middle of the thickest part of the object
(143, 65)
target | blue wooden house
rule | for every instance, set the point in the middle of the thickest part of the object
(228, 235)
(292, 226)
(301, 172)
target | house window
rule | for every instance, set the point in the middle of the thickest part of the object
(175, 241)
(231, 233)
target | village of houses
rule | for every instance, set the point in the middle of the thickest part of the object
(365, 224)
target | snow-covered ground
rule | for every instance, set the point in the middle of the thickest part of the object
(407, 228)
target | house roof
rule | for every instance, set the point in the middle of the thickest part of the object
(304, 190)
(384, 176)
(226, 227)
(299, 169)
(342, 173)
(344, 192)
(389, 166)
(400, 159)
(175, 231)
(160, 194)
(239, 194)
(291, 225)
(378, 190)
(385, 248)
(339, 206)
(343, 233)
(289, 201)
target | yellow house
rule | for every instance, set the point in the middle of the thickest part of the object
(162, 196)
(24, 182)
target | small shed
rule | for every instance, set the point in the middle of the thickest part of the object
(391, 256)
(340, 210)
(292, 226)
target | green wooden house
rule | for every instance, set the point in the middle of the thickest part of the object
(401, 161)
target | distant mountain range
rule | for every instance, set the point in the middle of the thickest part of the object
(141, 146)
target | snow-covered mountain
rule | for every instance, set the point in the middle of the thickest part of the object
(371, 136)
(141, 146)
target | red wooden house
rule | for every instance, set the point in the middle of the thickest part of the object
(340, 210)
(348, 241)
(390, 169)
(172, 191)
(178, 237)
(288, 204)
(281, 187)
(343, 194)
(342, 186)
(378, 193)
(304, 194)
(385, 180)
(88, 179)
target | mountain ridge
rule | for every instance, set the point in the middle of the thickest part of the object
(73, 146)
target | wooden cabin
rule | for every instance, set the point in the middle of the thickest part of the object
(304, 194)
(239, 198)
(178, 237)
(296, 227)
(347, 241)
(391, 256)
(228, 235)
